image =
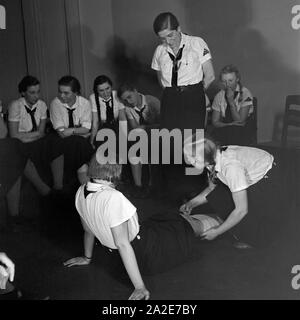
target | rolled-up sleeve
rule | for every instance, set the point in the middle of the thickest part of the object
(14, 112)
(205, 54)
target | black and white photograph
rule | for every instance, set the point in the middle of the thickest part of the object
(149, 150)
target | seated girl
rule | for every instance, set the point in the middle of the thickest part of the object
(107, 110)
(143, 112)
(233, 110)
(27, 120)
(162, 242)
(71, 117)
(13, 164)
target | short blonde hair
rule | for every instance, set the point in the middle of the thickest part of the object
(99, 169)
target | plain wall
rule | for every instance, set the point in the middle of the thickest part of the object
(46, 43)
(12, 52)
(96, 27)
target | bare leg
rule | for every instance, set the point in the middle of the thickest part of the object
(57, 168)
(137, 174)
(13, 198)
(82, 174)
(32, 175)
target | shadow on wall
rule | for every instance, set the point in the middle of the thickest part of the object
(129, 67)
(87, 61)
(227, 27)
(114, 58)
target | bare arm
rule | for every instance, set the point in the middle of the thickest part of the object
(209, 73)
(26, 136)
(88, 243)
(216, 120)
(200, 199)
(123, 123)
(120, 235)
(159, 76)
(241, 209)
(67, 132)
(95, 126)
(81, 131)
(240, 116)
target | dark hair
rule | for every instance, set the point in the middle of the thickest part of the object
(97, 82)
(107, 171)
(165, 20)
(26, 82)
(72, 82)
(125, 87)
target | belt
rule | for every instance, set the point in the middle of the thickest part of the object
(185, 88)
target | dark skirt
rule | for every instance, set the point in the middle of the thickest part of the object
(77, 152)
(234, 135)
(266, 208)
(42, 152)
(12, 163)
(183, 109)
(164, 242)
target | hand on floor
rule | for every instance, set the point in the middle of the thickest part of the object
(78, 261)
(140, 294)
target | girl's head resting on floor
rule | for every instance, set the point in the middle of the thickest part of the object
(103, 167)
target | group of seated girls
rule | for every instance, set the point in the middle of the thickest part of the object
(52, 156)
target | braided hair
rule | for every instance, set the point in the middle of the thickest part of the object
(98, 81)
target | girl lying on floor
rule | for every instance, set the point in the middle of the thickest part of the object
(241, 180)
(162, 242)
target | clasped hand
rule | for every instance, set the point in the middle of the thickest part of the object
(186, 208)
